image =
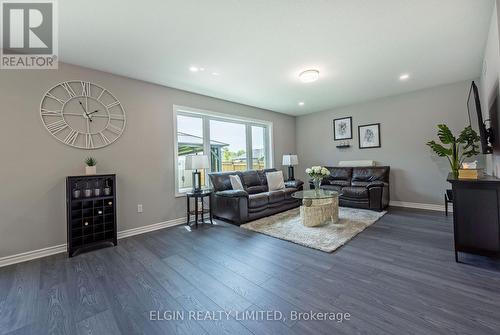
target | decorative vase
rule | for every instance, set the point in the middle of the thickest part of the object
(89, 170)
(317, 184)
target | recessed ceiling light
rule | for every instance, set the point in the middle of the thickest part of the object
(215, 74)
(404, 76)
(308, 76)
(194, 69)
(301, 103)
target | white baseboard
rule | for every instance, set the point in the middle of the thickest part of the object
(430, 207)
(34, 254)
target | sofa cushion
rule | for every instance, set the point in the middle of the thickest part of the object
(341, 183)
(360, 183)
(262, 175)
(335, 188)
(257, 189)
(251, 178)
(258, 200)
(275, 180)
(339, 173)
(221, 181)
(276, 196)
(368, 174)
(355, 192)
(236, 182)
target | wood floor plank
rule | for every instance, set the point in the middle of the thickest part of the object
(18, 309)
(222, 295)
(86, 298)
(102, 323)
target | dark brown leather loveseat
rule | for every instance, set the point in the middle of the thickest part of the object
(255, 201)
(361, 187)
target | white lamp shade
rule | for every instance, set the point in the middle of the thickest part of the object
(290, 160)
(195, 162)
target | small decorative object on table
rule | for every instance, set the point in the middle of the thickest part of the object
(199, 195)
(91, 167)
(466, 145)
(470, 171)
(317, 173)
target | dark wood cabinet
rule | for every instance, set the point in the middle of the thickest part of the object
(476, 215)
(91, 212)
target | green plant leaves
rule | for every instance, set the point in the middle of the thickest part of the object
(466, 145)
(445, 135)
(469, 138)
(439, 149)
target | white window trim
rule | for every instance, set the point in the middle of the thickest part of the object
(210, 115)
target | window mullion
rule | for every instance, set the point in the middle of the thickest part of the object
(248, 130)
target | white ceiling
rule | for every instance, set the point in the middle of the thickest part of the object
(259, 46)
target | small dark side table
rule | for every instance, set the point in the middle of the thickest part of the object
(198, 211)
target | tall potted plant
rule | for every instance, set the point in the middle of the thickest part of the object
(459, 148)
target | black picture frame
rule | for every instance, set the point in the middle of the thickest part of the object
(377, 143)
(335, 135)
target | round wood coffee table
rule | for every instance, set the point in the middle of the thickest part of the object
(318, 207)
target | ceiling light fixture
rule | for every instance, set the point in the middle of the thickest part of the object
(194, 69)
(301, 103)
(308, 76)
(215, 74)
(404, 76)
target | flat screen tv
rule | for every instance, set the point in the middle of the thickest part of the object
(476, 120)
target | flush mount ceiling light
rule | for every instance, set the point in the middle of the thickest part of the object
(301, 103)
(308, 76)
(404, 76)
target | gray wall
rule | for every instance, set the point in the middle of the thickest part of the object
(34, 164)
(408, 121)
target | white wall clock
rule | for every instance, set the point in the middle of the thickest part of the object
(82, 115)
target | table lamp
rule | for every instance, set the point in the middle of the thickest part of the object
(290, 160)
(196, 162)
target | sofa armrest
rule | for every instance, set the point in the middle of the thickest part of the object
(232, 194)
(294, 183)
(376, 184)
(378, 195)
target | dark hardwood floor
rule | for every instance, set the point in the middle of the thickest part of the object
(397, 277)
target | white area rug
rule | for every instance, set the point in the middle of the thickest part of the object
(287, 226)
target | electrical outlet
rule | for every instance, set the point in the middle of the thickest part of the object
(139, 208)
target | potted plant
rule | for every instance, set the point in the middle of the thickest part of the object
(458, 148)
(317, 173)
(91, 166)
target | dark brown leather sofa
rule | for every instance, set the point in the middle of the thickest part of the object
(255, 201)
(360, 187)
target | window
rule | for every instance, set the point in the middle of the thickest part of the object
(232, 144)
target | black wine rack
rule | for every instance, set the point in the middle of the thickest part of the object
(91, 212)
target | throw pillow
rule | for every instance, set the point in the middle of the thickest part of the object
(236, 182)
(275, 181)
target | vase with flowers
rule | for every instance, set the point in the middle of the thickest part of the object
(317, 173)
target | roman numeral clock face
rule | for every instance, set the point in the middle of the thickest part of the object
(82, 115)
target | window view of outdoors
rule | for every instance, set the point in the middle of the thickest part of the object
(258, 145)
(228, 146)
(189, 142)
